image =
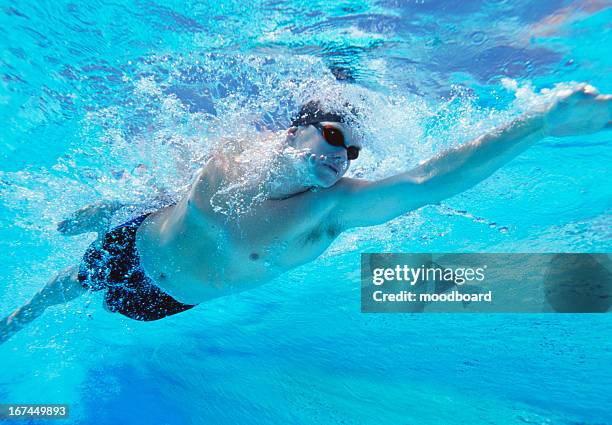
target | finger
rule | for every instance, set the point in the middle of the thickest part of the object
(589, 89)
(579, 87)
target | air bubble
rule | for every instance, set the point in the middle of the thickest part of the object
(478, 37)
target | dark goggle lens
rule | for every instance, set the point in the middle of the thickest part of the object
(333, 136)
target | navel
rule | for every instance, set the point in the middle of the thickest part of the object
(254, 256)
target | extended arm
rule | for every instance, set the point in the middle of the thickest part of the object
(573, 112)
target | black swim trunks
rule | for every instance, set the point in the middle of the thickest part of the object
(114, 266)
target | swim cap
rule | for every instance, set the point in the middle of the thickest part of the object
(313, 112)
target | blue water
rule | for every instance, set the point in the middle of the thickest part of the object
(110, 100)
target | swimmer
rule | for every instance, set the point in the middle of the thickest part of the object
(184, 254)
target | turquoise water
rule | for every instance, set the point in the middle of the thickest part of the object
(123, 101)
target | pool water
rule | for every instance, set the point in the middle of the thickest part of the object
(111, 100)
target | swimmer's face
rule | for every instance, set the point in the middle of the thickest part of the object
(327, 163)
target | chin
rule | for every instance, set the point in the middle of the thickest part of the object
(325, 185)
(325, 181)
(323, 177)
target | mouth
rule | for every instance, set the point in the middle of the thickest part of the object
(331, 167)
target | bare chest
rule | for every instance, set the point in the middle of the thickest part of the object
(213, 256)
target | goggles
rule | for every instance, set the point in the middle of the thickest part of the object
(334, 137)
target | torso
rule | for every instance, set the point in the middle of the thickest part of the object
(196, 254)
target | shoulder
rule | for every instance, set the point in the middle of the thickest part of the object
(334, 195)
(348, 185)
(343, 194)
(348, 188)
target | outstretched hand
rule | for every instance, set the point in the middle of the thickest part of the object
(579, 110)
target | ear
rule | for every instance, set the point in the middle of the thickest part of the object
(291, 132)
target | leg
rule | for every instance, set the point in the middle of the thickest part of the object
(97, 217)
(92, 218)
(61, 289)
